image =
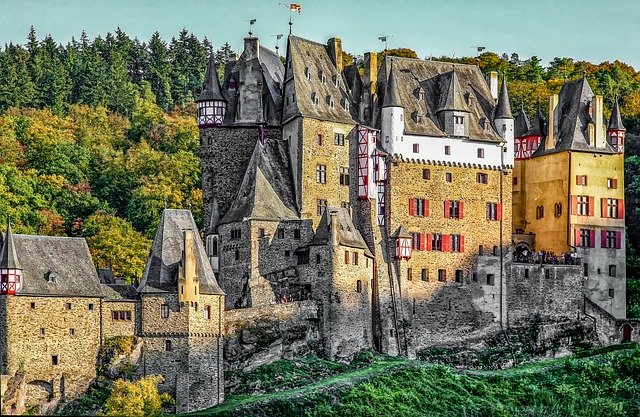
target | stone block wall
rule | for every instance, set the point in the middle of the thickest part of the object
(111, 327)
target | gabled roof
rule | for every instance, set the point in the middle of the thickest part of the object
(312, 57)
(391, 95)
(211, 89)
(616, 121)
(441, 90)
(266, 192)
(348, 235)
(401, 232)
(161, 271)
(537, 126)
(521, 125)
(503, 108)
(9, 257)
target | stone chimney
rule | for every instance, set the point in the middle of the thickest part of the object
(370, 72)
(251, 48)
(188, 276)
(333, 218)
(552, 123)
(335, 52)
(233, 57)
(492, 81)
(599, 137)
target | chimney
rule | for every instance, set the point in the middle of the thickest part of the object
(333, 216)
(552, 123)
(251, 48)
(492, 80)
(188, 277)
(232, 57)
(599, 137)
(371, 72)
(335, 52)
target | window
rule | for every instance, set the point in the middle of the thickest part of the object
(336, 80)
(436, 241)
(492, 211)
(121, 315)
(482, 178)
(355, 258)
(612, 183)
(345, 104)
(474, 277)
(236, 255)
(515, 180)
(280, 233)
(547, 273)
(480, 153)
(611, 239)
(287, 253)
(346, 257)
(409, 274)
(318, 258)
(32, 305)
(164, 311)
(330, 102)
(481, 250)
(261, 232)
(358, 286)
(491, 279)
(54, 360)
(321, 205)
(583, 205)
(495, 251)
(90, 306)
(581, 180)
(344, 176)
(526, 272)
(612, 270)
(442, 275)
(236, 234)
(424, 275)
(448, 177)
(418, 207)
(315, 99)
(307, 73)
(585, 238)
(557, 209)
(426, 174)
(585, 269)
(72, 332)
(296, 234)
(457, 244)
(344, 204)
(319, 139)
(321, 174)
(322, 76)
(167, 345)
(453, 209)
(447, 150)
(416, 148)
(339, 139)
(458, 120)
(67, 306)
(416, 241)
(42, 331)
(611, 292)
(458, 275)
(612, 208)
(303, 257)
(539, 212)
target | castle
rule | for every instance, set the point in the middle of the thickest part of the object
(396, 206)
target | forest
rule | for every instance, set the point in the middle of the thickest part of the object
(98, 135)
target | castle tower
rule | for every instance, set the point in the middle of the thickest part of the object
(616, 129)
(392, 122)
(503, 121)
(454, 111)
(211, 103)
(212, 237)
(10, 270)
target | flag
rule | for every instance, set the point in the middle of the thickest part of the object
(295, 7)
(261, 134)
(252, 21)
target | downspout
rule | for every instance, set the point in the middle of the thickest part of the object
(506, 336)
(387, 228)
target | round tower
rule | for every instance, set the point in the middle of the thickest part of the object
(392, 118)
(503, 121)
(10, 270)
(616, 130)
(211, 104)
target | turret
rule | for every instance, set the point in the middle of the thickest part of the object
(503, 121)
(616, 130)
(10, 269)
(453, 112)
(392, 123)
(212, 105)
(403, 243)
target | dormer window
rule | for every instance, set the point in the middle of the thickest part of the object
(468, 98)
(458, 120)
(486, 125)
(315, 100)
(322, 76)
(232, 84)
(421, 94)
(418, 118)
(307, 73)
(336, 81)
(345, 104)
(330, 102)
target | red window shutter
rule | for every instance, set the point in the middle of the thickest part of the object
(429, 237)
(591, 206)
(461, 243)
(426, 207)
(614, 183)
(603, 207)
(499, 212)
(618, 240)
(446, 243)
(620, 208)
(412, 207)
(603, 238)
(574, 204)
(447, 206)
(576, 237)
(422, 241)
(592, 238)
(586, 178)
(578, 180)
(461, 210)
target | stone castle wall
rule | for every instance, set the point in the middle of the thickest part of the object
(111, 327)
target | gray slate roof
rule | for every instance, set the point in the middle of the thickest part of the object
(266, 192)
(521, 124)
(211, 89)
(440, 86)
(503, 108)
(161, 271)
(391, 95)
(537, 126)
(348, 234)
(8, 257)
(616, 121)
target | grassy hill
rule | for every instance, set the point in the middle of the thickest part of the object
(598, 383)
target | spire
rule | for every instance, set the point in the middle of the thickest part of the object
(453, 99)
(537, 127)
(9, 258)
(503, 108)
(215, 217)
(522, 124)
(615, 123)
(211, 89)
(391, 93)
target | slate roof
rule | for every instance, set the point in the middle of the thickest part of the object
(503, 108)
(8, 256)
(314, 57)
(266, 192)
(348, 234)
(391, 95)
(214, 220)
(161, 271)
(55, 265)
(401, 232)
(573, 120)
(118, 292)
(521, 124)
(537, 126)
(211, 89)
(616, 121)
(443, 89)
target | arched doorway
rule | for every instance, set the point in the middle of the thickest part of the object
(626, 332)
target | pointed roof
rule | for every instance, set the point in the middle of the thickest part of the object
(161, 271)
(503, 108)
(266, 192)
(214, 220)
(348, 234)
(391, 94)
(9, 257)
(537, 126)
(522, 124)
(211, 89)
(616, 121)
(453, 98)
(401, 232)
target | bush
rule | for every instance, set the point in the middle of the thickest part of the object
(140, 398)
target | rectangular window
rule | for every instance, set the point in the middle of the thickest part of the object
(492, 211)
(424, 275)
(447, 150)
(457, 244)
(585, 269)
(296, 234)
(585, 238)
(280, 233)
(344, 176)
(321, 205)
(453, 209)
(612, 270)
(547, 273)
(358, 286)
(90, 306)
(32, 305)
(539, 212)
(448, 177)
(54, 360)
(321, 174)
(42, 331)
(458, 275)
(339, 139)
(436, 241)
(515, 180)
(72, 332)
(480, 153)
(409, 274)
(583, 205)
(442, 275)
(164, 311)
(416, 148)
(612, 208)
(319, 137)
(526, 272)
(318, 258)
(458, 120)
(557, 209)
(491, 279)
(418, 207)
(611, 292)
(346, 257)
(236, 234)
(303, 257)
(167, 345)
(344, 204)
(261, 232)
(416, 241)
(355, 258)
(612, 183)
(581, 180)
(426, 174)
(482, 178)
(67, 306)
(474, 277)
(207, 312)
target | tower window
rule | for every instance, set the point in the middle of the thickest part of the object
(447, 150)
(167, 346)
(261, 232)
(346, 257)
(491, 280)
(42, 331)
(280, 233)
(448, 177)
(458, 120)
(330, 102)
(611, 292)
(67, 306)
(612, 270)
(54, 360)
(90, 306)
(358, 286)
(296, 234)
(355, 258)
(207, 312)
(424, 275)
(339, 139)
(72, 332)
(416, 148)
(539, 212)
(557, 210)
(32, 305)
(319, 139)
(458, 275)
(236, 234)
(480, 153)
(482, 178)
(426, 174)
(164, 311)
(321, 174)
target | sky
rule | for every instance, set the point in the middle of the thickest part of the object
(589, 30)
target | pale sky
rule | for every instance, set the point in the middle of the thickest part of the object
(589, 30)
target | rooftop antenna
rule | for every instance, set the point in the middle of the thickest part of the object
(251, 23)
(384, 39)
(278, 37)
(478, 49)
(293, 7)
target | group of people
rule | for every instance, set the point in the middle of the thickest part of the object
(546, 257)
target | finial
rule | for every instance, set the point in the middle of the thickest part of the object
(584, 73)
(164, 202)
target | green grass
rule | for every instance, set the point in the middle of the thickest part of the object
(603, 382)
